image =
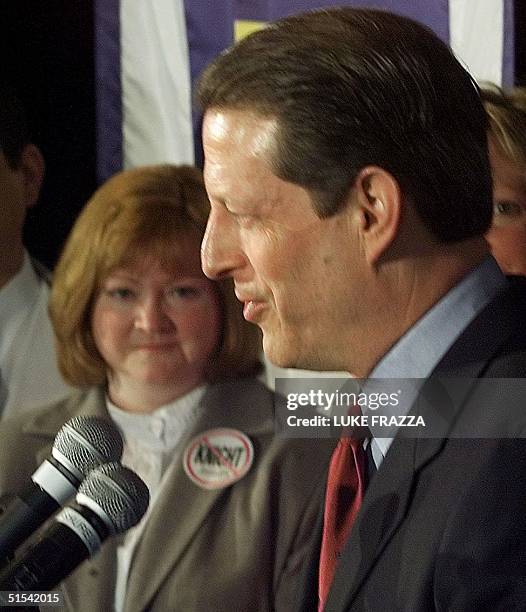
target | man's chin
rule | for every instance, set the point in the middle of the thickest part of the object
(284, 353)
(277, 352)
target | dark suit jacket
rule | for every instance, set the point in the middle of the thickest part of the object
(236, 548)
(443, 523)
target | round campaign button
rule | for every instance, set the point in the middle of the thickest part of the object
(218, 457)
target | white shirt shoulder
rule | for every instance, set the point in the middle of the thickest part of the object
(28, 362)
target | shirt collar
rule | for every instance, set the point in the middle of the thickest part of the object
(162, 429)
(421, 348)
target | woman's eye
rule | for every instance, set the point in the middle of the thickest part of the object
(121, 293)
(184, 292)
(507, 208)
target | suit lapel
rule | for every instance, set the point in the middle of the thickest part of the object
(182, 506)
(383, 509)
(456, 374)
(176, 516)
(307, 592)
(386, 504)
(48, 421)
(389, 494)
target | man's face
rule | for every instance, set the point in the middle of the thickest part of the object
(19, 189)
(12, 202)
(507, 235)
(296, 274)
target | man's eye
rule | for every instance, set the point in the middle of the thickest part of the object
(242, 218)
(510, 209)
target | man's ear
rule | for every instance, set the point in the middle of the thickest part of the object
(33, 167)
(379, 208)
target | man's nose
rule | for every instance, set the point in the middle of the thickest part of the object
(220, 251)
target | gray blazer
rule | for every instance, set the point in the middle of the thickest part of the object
(237, 548)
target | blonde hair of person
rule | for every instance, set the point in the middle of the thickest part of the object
(506, 110)
(158, 209)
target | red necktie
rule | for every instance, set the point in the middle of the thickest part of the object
(343, 498)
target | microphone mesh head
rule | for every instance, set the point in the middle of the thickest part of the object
(88, 442)
(119, 493)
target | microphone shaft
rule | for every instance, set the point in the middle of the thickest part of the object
(56, 555)
(50, 561)
(23, 516)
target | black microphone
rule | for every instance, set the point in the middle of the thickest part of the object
(82, 444)
(111, 500)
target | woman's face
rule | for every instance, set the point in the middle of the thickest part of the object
(507, 235)
(156, 326)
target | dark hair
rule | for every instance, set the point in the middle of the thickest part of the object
(352, 87)
(14, 131)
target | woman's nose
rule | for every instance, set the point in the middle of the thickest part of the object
(152, 317)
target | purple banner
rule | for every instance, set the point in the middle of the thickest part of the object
(108, 89)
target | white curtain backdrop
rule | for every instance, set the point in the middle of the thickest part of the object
(155, 81)
(476, 35)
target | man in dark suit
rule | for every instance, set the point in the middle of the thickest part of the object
(346, 165)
